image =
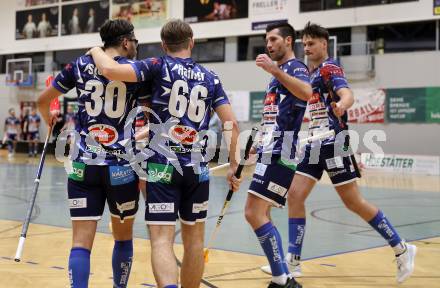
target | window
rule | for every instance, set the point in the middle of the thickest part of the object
(64, 57)
(208, 50)
(37, 60)
(149, 50)
(403, 37)
(250, 46)
(343, 38)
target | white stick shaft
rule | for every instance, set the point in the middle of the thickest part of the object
(219, 167)
(324, 135)
(19, 251)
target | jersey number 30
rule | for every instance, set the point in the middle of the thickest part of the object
(179, 104)
(114, 89)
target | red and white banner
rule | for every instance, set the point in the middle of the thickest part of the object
(368, 107)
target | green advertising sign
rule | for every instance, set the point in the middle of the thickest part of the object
(433, 105)
(256, 105)
(406, 105)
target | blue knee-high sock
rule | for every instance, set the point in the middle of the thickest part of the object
(121, 262)
(10, 146)
(297, 229)
(381, 224)
(79, 267)
(279, 240)
(272, 247)
(170, 286)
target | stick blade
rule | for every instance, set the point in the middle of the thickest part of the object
(206, 255)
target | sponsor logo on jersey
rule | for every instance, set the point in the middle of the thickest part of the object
(332, 174)
(102, 150)
(160, 173)
(270, 108)
(318, 113)
(77, 203)
(78, 170)
(335, 162)
(301, 70)
(270, 99)
(182, 150)
(269, 118)
(183, 134)
(259, 181)
(315, 98)
(104, 134)
(260, 169)
(277, 189)
(317, 106)
(120, 175)
(161, 207)
(127, 206)
(199, 207)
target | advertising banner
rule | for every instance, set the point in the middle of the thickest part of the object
(214, 10)
(141, 13)
(406, 105)
(36, 23)
(368, 107)
(84, 17)
(256, 106)
(407, 164)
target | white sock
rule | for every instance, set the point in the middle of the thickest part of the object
(399, 248)
(292, 260)
(282, 279)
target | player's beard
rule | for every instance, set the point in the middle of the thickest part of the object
(277, 56)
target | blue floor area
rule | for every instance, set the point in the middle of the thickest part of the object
(331, 228)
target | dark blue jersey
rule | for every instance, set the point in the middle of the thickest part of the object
(33, 123)
(12, 124)
(183, 94)
(283, 112)
(326, 80)
(103, 107)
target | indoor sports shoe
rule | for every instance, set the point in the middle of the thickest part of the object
(294, 266)
(405, 263)
(291, 283)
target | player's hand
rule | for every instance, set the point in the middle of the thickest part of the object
(53, 117)
(264, 61)
(252, 159)
(338, 109)
(92, 49)
(234, 182)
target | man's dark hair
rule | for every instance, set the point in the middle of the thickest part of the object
(113, 32)
(284, 28)
(176, 34)
(315, 31)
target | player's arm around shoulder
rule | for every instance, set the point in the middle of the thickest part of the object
(297, 86)
(111, 69)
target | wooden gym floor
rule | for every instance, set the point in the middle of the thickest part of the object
(340, 250)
